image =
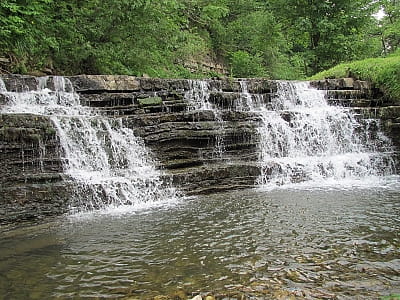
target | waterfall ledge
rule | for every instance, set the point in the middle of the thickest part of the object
(201, 150)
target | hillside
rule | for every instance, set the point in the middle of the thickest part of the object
(192, 38)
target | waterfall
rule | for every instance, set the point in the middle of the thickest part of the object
(2, 86)
(108, 164)
(198, 96)
(296, 135)
(304, 139)
(301, 137)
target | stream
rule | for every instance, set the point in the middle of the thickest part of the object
(312, 243)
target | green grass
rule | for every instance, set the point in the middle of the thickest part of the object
(391, 297)
(384, 72)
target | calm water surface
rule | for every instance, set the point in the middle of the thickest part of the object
(342, 243)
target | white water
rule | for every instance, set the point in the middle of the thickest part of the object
(304, 139)
(198, 96)
(109, 165)
(2, 86)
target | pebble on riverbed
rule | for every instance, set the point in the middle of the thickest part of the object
(247, 293)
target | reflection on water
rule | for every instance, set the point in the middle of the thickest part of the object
(312, 243)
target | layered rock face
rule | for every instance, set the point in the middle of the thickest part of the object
(31, 173)
(204, 150)
(203, 146)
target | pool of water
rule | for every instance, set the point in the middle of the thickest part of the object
(330, 243)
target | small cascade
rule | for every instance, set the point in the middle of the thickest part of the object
(108, 164)
(304, 139)
(249, 102)
(198, 96)
(246, 101)
(2, 86)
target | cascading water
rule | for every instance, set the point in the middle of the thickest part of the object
(108, 164)
(198, 96)
(304, 139)
(2, 86)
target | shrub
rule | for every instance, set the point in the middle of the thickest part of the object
(244, 64)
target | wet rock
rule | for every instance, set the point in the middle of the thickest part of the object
(90, 83)
(342, 84)
(20, 83)
(151, 101)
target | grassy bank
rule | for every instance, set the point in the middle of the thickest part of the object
(383, 72)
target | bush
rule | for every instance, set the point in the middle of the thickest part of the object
(244, 64)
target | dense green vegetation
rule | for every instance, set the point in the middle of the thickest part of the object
(270, 38)
(384, 71)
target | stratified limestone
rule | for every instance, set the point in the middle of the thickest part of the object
(88, 83)
(29, 149)
(31, 182)
(201, 152)
(366, 100)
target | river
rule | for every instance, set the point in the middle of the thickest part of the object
(321, 243)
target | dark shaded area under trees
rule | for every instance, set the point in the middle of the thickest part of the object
(285, 39)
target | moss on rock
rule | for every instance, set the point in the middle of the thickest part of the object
(151, 101)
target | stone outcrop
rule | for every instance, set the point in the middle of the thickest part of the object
(185, 140)
(202, 150)
(31, 184)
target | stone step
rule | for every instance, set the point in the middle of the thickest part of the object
(31, 178)
(383, 113)
(256, 86)
(341, 84)
(215, 177)
(182, 163)
(347, 94)
(237, 100)
(356, 103)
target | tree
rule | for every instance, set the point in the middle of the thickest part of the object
(275, 38)
(257, 34)
(390, 25)
(22, 24)
(326, 32)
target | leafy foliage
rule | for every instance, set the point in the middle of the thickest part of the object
(390, 25)
(328, 32)
(284, 39)
(244, 64)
